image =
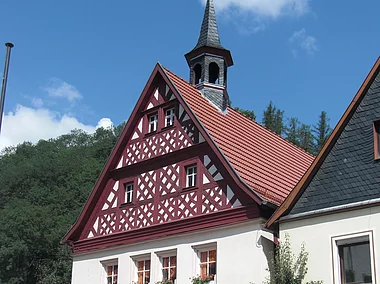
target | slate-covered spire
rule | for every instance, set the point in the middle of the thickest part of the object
(209, 62)
(209, 35)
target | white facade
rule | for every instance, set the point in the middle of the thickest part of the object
(242, 253)
(322, 236)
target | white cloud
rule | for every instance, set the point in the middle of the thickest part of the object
(265, 8)
(105, 123)
(28, 124)
(37, 102)
(300, 40)
(59, 88)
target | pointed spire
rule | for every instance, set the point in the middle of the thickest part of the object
(209, 35)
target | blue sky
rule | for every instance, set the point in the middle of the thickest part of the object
(76, 63)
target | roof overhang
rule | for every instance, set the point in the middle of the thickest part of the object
(225, 53)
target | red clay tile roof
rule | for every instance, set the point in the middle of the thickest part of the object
(266, 162)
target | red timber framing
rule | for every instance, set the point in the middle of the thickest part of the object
(155, 162)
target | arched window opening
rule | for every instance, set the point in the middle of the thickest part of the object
(213, 73)
(197, 74)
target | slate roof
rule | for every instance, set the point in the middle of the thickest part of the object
(344, 172)
(267, 163)
(209, 35)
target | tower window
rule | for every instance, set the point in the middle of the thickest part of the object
(213, 73)
(197, 74)
(376, 138)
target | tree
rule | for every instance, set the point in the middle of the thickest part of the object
(273, 119)
(248, 113)
(43, 187)
(321, 131)
(292, 131)
(286, 268)
(305, 138)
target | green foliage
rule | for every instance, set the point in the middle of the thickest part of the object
(273, 119)
(201, 280)
(321, 131)
(286, 268)
(43, 188)
(248, 113)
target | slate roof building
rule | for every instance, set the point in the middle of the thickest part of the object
(335, 208)
(188, 185)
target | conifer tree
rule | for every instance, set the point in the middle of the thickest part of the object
(292, 131)
(305, 138)
(273, 119)
(321, 131)
(248, 113)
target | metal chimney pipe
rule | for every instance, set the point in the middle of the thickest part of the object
(5, 78)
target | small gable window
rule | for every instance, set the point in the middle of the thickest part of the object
(376, 138)
(153, 122)
(169, 117)
(191, 176)
(128, 193)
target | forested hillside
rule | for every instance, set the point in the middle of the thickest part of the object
(43, 188)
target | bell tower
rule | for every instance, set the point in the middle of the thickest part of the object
(209, 61)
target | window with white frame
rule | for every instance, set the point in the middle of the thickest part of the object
(353, 259)
(112, 271)
(153, 122)
(143, 271)
(169, 117)
(128, 193)
(169, 268)
(207, 263)
(191, 176)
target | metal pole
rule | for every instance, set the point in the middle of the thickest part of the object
(5, 78)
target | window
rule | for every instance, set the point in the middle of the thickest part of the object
(191, 176)
(112, 271)
(169, 117)
(376, 138)
(143, 271)
(208, 264)
(153, 122)
(169, 268)
(354, 259)
(128, 193)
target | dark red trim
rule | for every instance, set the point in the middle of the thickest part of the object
(207, 221)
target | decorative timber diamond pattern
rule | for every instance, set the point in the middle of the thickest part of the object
(187, 204)
(144, 215)
(111, 201)
(146, 185)
(213, 199)
(169, 179)
(127, 218)
(107, 224)
(167, 210)
(159, 144)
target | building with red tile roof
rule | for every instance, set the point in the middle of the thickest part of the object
(188, 185)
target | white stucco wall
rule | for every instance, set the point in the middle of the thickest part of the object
(241, 257)
(319, 235)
